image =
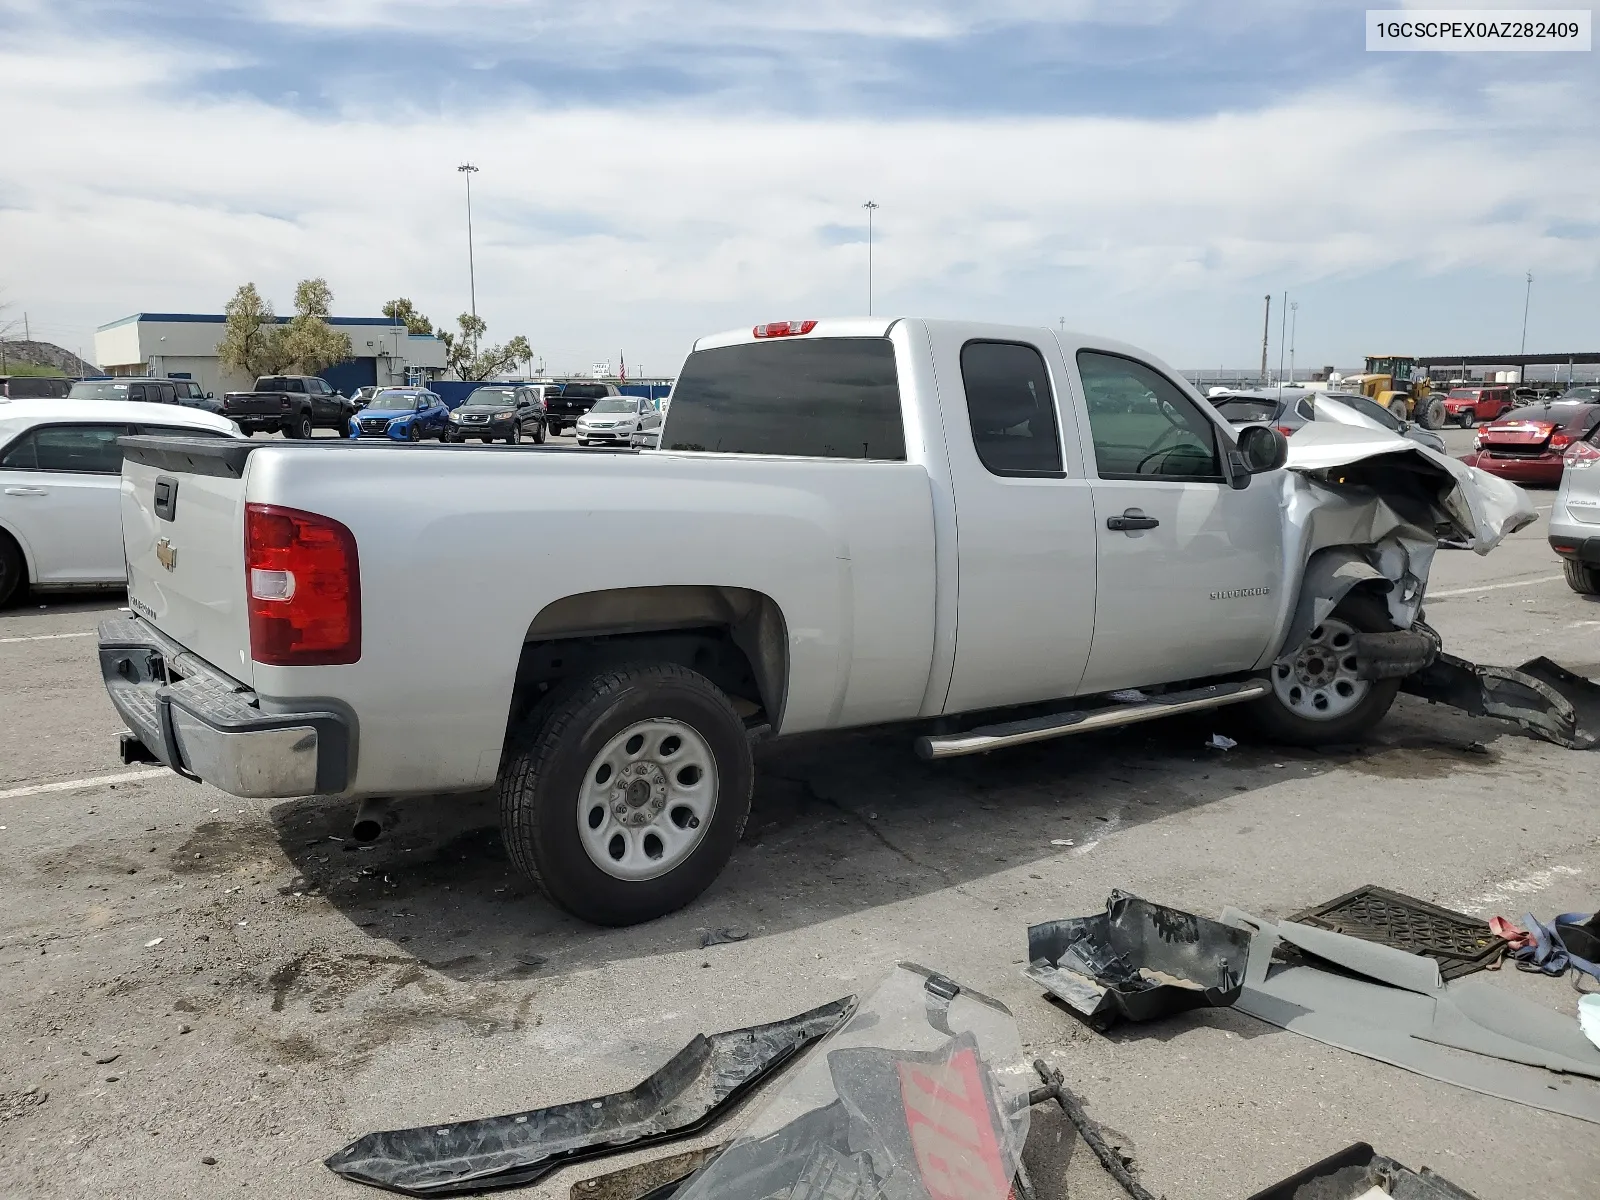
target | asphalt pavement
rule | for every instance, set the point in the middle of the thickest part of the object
(189, 977)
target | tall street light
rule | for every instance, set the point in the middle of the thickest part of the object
(1294, 321)
(469, 171)
(1526, 297)
(871, 206)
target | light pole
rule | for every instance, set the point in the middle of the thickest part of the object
(871, 206)
(1526, 297)
(469, 171)
(1294, 320)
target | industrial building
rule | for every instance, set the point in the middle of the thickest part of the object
(184, 346)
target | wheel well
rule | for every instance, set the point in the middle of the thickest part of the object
(22, 556)
(735, 637)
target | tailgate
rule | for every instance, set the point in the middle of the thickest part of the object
(183, 533)
(253, 404)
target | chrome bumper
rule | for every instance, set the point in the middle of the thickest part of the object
(189, 716)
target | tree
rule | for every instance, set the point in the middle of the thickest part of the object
(251, 339)
(471, 364)
(402, 311)
(309, 343)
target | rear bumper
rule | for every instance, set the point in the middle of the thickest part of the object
(1578, 548)
(1545, 469)
(189, 716)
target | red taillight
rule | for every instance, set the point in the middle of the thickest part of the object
(783, 328)
(303, 585)
(1560, 441)
(1286, 430)
(1581, 454)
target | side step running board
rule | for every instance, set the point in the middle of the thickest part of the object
(1039, 729)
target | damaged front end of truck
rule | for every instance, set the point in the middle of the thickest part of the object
(1370, 509)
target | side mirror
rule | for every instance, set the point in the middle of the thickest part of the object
(1262, 448)
(211, 395)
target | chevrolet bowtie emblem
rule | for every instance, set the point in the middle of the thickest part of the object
(167, 554)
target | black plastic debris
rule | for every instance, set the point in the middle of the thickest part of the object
(685, 1094)
(1541, 696)
(1458, 943)
(1357, 1171)
(1137, 961)
(721, 937)
(653, 1179)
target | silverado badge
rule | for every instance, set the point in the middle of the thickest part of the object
(167, 555)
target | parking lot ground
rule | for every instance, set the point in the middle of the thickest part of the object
(190, 976)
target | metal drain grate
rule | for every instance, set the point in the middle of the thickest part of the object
(1460, 944)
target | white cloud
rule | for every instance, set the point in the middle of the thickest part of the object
(136, 196)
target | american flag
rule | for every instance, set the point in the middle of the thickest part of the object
(622, 369)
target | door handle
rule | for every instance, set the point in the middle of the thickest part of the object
(26, 491)
(1131, 520)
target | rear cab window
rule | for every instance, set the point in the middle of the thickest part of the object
(825, 398)
(1011, 409)
(1246, 408)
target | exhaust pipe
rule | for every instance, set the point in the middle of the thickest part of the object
(372, 818)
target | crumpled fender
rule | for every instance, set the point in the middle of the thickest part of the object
(1366, 506)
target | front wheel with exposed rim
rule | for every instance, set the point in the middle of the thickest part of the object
(1582, 578)
(625, 795)
(1317, 696)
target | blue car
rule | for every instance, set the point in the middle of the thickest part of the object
(403, 414)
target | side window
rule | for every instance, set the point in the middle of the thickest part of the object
(295, 385)
(136, 391)
(1306, 409)
(169, 393)
(1010, 409)
(1142, 424)
(81, 449)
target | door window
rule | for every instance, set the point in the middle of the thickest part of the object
(169, 393)
(83, 449)
(1010, 408)
(1142, 424)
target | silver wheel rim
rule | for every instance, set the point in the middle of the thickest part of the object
(647, 799)
(1318, 680)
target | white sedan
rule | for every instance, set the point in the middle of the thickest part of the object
(60, 476)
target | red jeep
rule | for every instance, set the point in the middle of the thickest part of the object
(1469, 405)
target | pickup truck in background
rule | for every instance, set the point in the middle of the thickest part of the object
(563, 408)
(292, 404)
(993, 534)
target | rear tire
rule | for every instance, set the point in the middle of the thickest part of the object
(13, 571)
(1581, 578)
(1432, 413)
(1349, 717)
(538, 435)
(548, 782)
(298, 427)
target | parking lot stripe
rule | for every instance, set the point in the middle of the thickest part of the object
(45, 637)
(1493, 587)
(76, 785)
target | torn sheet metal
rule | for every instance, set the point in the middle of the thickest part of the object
(1137, 961)
(1514, 1045)
(1540, 696)
(684, 1095)
(1365, 504)
(1358, 1172)
(923, 1094)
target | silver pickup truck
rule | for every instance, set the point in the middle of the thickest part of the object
(992, 534)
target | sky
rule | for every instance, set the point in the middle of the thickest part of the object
(654, 170)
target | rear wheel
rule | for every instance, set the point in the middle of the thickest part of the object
(1431, 414)
(1316, 697)
(538, 434)
(299, 427)
(625, 796)
(13, 571)
(1581, 578)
